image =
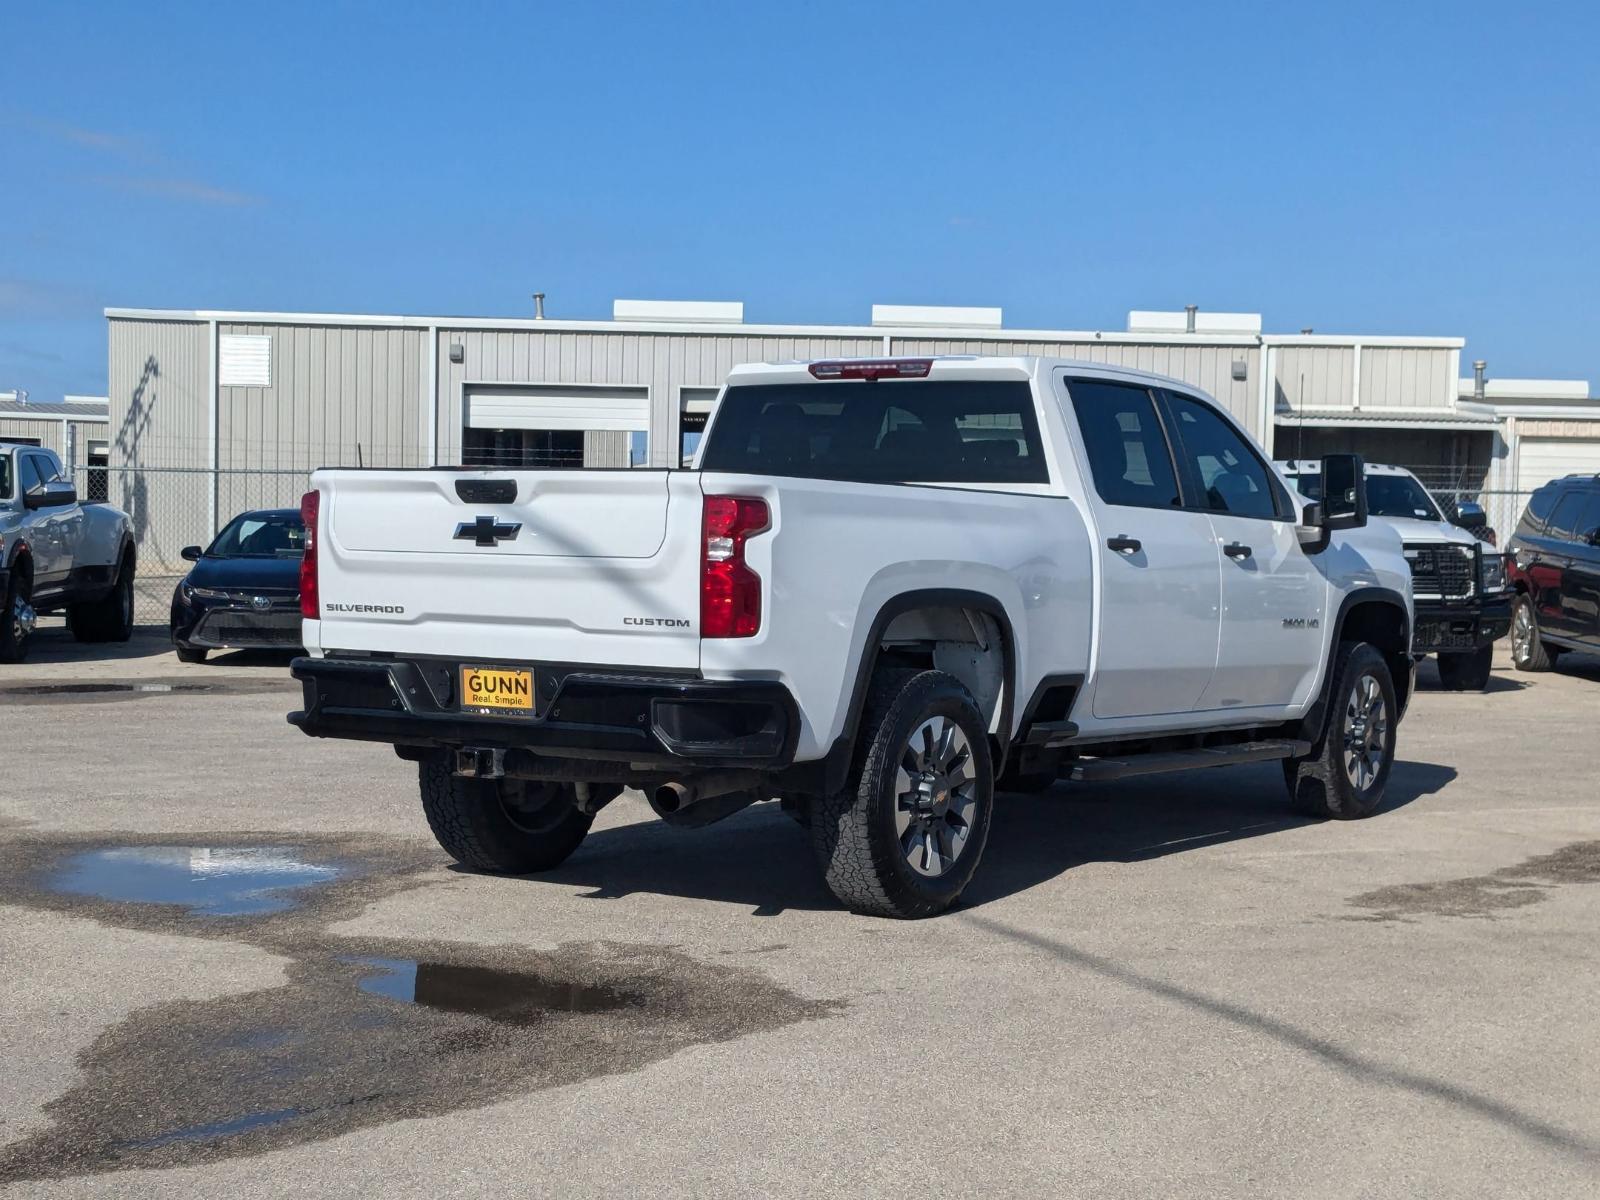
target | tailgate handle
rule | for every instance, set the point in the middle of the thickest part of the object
(487, 491)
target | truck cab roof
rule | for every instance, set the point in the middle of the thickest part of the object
(937, 366)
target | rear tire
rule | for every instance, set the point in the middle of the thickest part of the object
(1528, 651)
(195, 655)
(1345, 774)
(16, 615)
(507, 826)
(110, 618)
(905, 834)
(1467, 672)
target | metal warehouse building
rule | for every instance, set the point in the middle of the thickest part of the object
(211, 412)
(74, 427)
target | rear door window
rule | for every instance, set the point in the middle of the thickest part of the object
(1563, 523)
(1128, 453)
(1588, 524)
(933, 431)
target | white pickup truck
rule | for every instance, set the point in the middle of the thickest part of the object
(56, 553)
(1460, 584)
(887, 589)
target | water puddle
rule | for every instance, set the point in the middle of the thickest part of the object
(398, 1031)
(233, 881)
(511, 997)
(96, 689)
(1529, 882)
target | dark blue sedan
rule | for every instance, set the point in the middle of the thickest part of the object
(244, 589)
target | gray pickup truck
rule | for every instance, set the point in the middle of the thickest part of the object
(57, 554)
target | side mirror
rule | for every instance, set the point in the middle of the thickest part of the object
(190, 553)
(1471, 516)
(1344, 491)
(51, 495)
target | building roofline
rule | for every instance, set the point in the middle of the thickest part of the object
(988, 333)
(1537, 412)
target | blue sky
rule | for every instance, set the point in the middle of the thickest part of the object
(1427, 169)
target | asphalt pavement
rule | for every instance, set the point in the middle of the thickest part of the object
(235, 963)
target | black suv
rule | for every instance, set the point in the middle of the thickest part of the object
(1555, 566)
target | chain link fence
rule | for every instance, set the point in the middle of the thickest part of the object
(175, 507)
(1452, 487)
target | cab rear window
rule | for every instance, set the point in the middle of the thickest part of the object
(928, 431)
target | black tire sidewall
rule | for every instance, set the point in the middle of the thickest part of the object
(931, 694)
(469, 822)
(1363, 659)
(11, 649)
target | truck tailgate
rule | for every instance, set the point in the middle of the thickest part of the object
(540, 566)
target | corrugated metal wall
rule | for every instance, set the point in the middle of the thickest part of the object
(660, 361)
(158, 377)
(340, 395)
(334, 390)
(1406, 377)
(1312, 376)
(1209, 368)
(47, 433)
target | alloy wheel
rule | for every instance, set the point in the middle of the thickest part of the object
(935, 797)
(1366, 732)
(1522, 633)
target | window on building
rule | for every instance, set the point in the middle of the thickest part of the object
(695, 407)
(527, 449)
(96, 489)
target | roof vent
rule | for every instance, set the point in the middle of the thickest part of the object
(721, 312)
(936, 316)
(1194, 320)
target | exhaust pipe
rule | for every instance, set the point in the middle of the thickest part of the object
(670, 799)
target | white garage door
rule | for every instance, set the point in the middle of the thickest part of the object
(1539, 460)
(556, 407)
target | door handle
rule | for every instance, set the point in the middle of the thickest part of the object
(1237, 551)
(1123, 544)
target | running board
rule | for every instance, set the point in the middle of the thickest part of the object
(1097, 769)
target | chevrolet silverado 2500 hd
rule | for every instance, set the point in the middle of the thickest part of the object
(58, 554)
(884, 585)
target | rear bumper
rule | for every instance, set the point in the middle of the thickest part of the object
(641, 720)
(1457, 626)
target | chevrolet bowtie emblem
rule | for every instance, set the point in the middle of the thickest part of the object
(486, 531)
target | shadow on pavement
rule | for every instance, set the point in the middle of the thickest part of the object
(763, 860)
(52, 642)
(1502, 679)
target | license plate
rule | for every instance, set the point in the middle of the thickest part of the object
(492, 689)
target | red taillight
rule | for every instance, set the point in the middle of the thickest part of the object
(876, 368)
(309, 505)
(730, 592)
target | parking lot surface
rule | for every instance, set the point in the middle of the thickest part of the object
(236, 964)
